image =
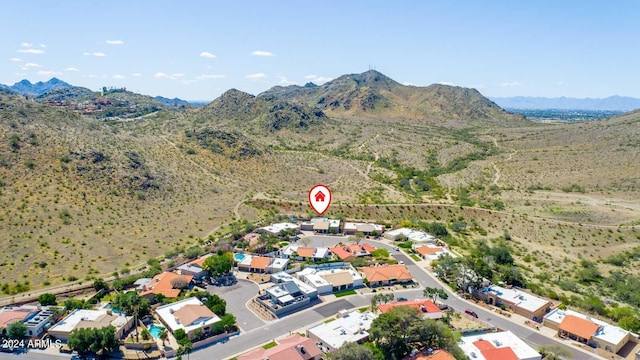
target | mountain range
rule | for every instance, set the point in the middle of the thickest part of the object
(25, 87)
(619, 103)
(102, 195)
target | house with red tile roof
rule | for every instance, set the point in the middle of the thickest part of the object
(306, 253)
(259, 264)
(430, 252)
(294, 347)
(502, 345)
(386, 274)
(352, 251)
(11, 315)
(422, 306)
(587, 330)
(165, 284)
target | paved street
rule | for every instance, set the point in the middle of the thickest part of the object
(236, 297)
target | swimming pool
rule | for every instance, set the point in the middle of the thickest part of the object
(108, 307)
(154, 330)
(238, 257)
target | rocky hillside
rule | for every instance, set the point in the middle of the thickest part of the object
(372, 94)
(265, 112)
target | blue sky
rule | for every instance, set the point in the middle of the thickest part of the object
(196, 50)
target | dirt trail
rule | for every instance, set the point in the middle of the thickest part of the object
(496, 169)
(364, 174)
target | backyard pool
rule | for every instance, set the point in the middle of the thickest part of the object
(238, 257)
(154, 330)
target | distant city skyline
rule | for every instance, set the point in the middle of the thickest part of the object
(197, 50)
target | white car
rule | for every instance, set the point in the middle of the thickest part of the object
(400, 262)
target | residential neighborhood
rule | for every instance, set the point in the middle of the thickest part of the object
(314, 264)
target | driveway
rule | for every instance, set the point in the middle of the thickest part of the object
(237, 297)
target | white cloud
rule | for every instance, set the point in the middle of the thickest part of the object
(31, 51)
(32, 65)
(407, 84)
(24, 68)
(16, 59)
(71, 69)
(318, 79)
(161, 75)
(114, 42)
(43, 45)
(256, 76)
(97, 54)
(210, 76)
(262, 53)
(207, 54)
(136, 74)
(48, 73)
(449, 83)
(285, 81)
(26, 44)
(118, 76)
(19, 74)
(510, 84)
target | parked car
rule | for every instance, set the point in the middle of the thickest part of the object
(471, 312)
(396, 248)
(400, 262)
(402, 299)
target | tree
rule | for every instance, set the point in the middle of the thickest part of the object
(228, 321)
(132, 304)
(218, 264)
(17, 330)
(631, 323)
(47, 299)
(554, 352)
(356, 238)
(72, 304)
(380, 299)
(193, 252)
(180, 334)
(100, 284)
(163, 335)
(305, 241)
(447, 266)
(352, 351)
(179, 283)
(85, 340)
(401, 329)
(435, 293)
(185, 348)
(216, 304)
(459, 226)
(380, 253)
(391, 331)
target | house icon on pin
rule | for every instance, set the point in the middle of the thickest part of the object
(320, 196)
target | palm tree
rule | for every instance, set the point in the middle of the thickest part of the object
(163, 335)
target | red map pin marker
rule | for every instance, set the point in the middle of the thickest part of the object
(320, 198)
